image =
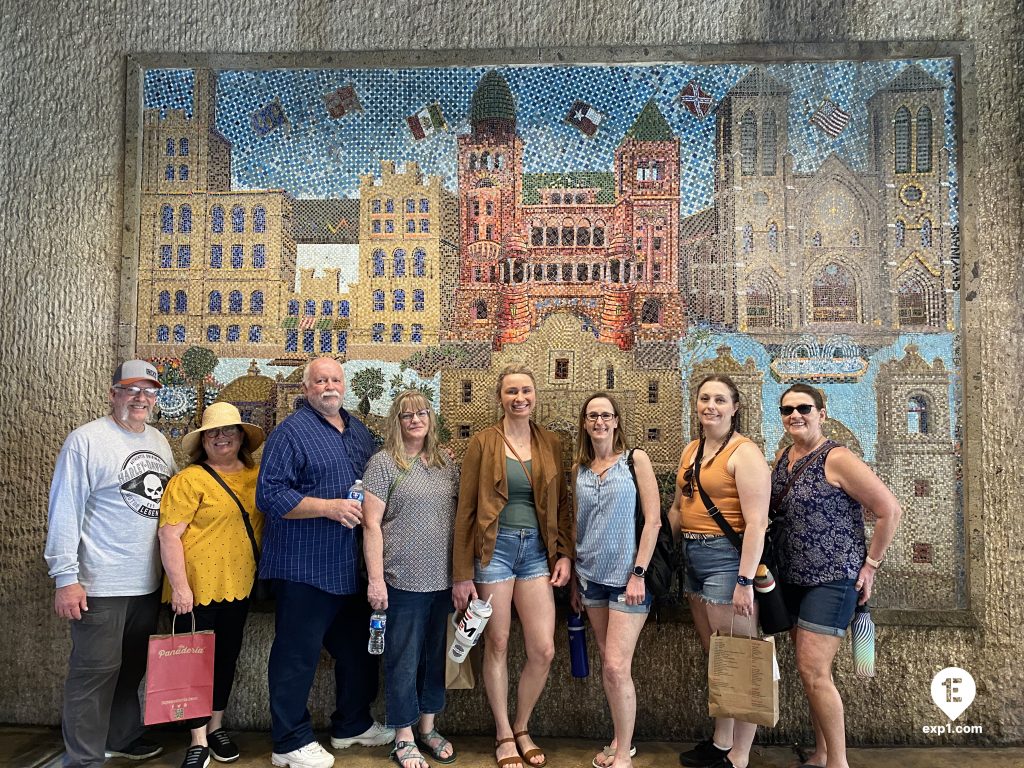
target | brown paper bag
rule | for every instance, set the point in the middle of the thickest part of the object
(743, 679)
(458, 677)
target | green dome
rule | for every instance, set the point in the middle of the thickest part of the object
(492, 99)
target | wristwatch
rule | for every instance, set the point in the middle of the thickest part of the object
(872, 562)
(639, 570)
(743, 581)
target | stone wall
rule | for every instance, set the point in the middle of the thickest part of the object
(60, 294)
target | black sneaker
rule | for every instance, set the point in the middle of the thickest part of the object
(140, 749)
(703, 755)
(196, 757)
(222, 748)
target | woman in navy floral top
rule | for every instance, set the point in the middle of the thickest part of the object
(819, 492)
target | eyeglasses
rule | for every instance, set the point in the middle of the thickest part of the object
(134, 391)
(229, 431)
(593, 418)
(803, 408)
(421, 415)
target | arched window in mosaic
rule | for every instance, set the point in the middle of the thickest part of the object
(375, 205)
(479, 310)
(234, 333)
(237, 256)
(901, 140)
(213, 333)
(163, 334)
(424, 205)
(184, 256)
(342, 342)
(293, 308)
(256, 303)
(418, 302)
(389, 205)
(378, 301)
(583, 233)
(855, 237)
(398, 263)
(834, 296)
(309, 310)
(183, 147)
(255, 334)
(416, 335)
(748, 237)
(259, 256)
(170, 148)
(398, 300)
(536, 233)
(179, 334)
(180, 302)
(377, 332)
(185, 219)
(378, 263)
(769, 142)
(291, 340)
(650, 313)
(912, 301)
(764, 305)
(396, 333)
(816, 240)
(215, 302)
(169, 173)
(326, 339)
(926, 233)
(551, 233)
(598, 234)
(164, 302)
(183, 172)
(259, 219)
(235, 302)
(917, 415)
(900, 233)
(308, 341)
(419, 263)
(568, 232)
(343, 308)
(923, 140)
(748, 144)
(167, 220)
(238, 219)
(217, 219)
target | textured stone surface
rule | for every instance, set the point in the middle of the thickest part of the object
(62, 187)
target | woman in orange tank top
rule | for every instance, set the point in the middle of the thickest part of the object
(719, 580)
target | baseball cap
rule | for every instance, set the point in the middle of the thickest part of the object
(132, 371)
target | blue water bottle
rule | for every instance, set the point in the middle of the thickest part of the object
(578, 646)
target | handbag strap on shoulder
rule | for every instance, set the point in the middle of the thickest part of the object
(241, 508)
(713, 511)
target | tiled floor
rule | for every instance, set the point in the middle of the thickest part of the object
(42, 748)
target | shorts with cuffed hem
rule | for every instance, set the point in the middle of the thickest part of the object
(824, 609)
(711, 568)
(594, 595)
(518, 554)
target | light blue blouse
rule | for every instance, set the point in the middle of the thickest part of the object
(606, 524)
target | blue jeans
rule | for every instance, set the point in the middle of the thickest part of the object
(414, 653)
(307, 618)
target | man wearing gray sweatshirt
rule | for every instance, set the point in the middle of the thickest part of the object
(102, 552)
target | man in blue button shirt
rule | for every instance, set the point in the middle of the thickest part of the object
(310, 549)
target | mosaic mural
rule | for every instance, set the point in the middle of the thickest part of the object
(621, 227)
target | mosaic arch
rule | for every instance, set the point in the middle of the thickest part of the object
(626, 227)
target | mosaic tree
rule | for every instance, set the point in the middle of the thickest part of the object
(368, 385)
(198, 363)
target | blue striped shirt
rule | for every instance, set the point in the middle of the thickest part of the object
(606, 524)
(304, 456)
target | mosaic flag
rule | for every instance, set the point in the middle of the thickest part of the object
(268, 118)
(342, 101)
(697, 101)
(427, 122)
(584, 117)
(830, 118)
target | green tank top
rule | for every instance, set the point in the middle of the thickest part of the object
(520, 511)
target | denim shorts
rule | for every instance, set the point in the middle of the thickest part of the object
(596, 595)
(711, 569)
(825, 609)
(518, 554)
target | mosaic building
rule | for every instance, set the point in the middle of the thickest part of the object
(600, 245)
(214, 263)
(863, 251)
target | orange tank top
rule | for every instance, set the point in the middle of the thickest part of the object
(718, 484)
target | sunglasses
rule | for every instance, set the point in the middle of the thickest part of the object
(687, 488)
(803, 408)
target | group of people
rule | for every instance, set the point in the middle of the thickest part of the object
(429, 536)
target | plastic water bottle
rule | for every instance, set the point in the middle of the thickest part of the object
(863, 629)
(356, 491)
(378, 625)
(578, 657)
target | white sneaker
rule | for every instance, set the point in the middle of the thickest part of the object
(375, 736)
(311, 755)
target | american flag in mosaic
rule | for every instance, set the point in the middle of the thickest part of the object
(830, 118)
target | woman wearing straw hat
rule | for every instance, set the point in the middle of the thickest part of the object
(209, 534)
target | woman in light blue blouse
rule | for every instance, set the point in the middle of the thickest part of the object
(610, 563)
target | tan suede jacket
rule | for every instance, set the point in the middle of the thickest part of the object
(483, 493)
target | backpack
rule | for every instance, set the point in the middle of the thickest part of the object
(661, 569)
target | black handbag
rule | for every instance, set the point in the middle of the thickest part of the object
(261, 598)
(772, 614)
(661, 568)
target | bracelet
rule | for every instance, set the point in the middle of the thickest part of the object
(872, 562)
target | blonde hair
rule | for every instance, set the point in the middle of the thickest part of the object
(414, 400)
(515, 369)
(584, 447)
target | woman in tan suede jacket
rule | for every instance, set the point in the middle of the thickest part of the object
(513, 543)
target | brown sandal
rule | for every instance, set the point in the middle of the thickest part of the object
(515, 759)
(535, 752)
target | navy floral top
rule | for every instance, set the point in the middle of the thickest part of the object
(819, 529)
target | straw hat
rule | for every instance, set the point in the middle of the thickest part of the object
(223, 415)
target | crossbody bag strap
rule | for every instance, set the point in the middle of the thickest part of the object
(638, 510)
(241, 508)
(515, 453)
(713, 511)
(394, 483)
(809, 459)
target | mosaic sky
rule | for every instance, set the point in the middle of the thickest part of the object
(315, 155)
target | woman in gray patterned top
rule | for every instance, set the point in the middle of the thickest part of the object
(409, 512)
